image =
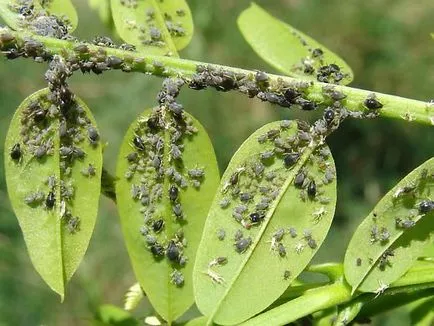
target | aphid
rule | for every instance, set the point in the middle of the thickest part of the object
(156, 162)
(292, 232)
(34, 198)
(258, 168)
(150, 239)
(139, 143)
(384, 261)
(329, 115)
(329, 175)
(311, 189)
(286, 275)
(89, 171)
(266, 155)
(281, 249)
(404, 191)
(426, 206)
(73, 224)
(359, 261)
(158, 225)
(238, 235)
(243, 244)
(299, 179)
(405, 224)
(157, 250)
(50, 200)
(278, 235)
(290, 159)
(92, 134)
(224, 203)
(311, 243)
(177, 210)
(256, 217)
(177, 278)
(272, 134)
(384, 235)
(216, 278)
(245, 196)
(16, 152)
(372, 103)
(196, 173)
(172, 251)
(374, 234)
(337, 96)
(173, 193)
(262, 139)
(291, 95)
(240, 209)
(221, 234)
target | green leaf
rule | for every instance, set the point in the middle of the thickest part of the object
(102, 7)
(36, 17)
(157, 27)
(394, 234)
(56, 232)
(114, 316)
(64, 9)
(200, 321)
(289, 50)
(283, 237)
(146, 180)
(423, 313)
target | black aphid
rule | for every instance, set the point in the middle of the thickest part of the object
(50, 200)
(92, 133)
(311, 189)
(138, 142)
(157, 250)
(290, 159)
(426, 206)
(158, 225)
(256, 217)
(172, 251)
(299, 179)
(372, 103)
(173, 193)
(16, 152)
(329, 115)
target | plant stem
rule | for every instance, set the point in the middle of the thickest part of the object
(393, 106)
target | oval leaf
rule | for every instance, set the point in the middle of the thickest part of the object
(53, 18)
(53, 175)
(394, 234)
(157, 27)
(289, 50)
(168, 175)
(270, 215)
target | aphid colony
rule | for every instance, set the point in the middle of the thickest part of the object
(416, 207)
(55, 114)
(249, 193)
(149, 33)
(158, 175)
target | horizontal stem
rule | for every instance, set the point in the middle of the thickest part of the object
(393, 106)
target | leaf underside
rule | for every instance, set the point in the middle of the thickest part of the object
(53, 175)
(157, 27)
(163, 200)
(289, 50)
(394, 234)
(262, 230)
(53, 18)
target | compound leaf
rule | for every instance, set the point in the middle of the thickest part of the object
(157, 27)
(289, 50)
(53, 164)
(168, 175)
(394, 234)
(270, 215)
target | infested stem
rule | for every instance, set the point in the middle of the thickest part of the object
(393, 106)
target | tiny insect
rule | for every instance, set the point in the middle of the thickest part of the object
(158, 225)
(238, 235)
(177, 210)
(256, 217)
(221, 234)
(372, 103)
(311, 189)
(292, 232)
(286, 275)
(219, 261)
(384, 235)
(426, 206)
(224, 203)
(16, 152)
(281, 249)
(157, 250)
(139, 143)
(329, 115)
(177, 278)
(50, 200)
(172, 251)
(173, 193)
(196, 173)
(359, 261)
(243, 244)
(290, 159)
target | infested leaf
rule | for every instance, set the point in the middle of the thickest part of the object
(394, 234)
(168, 175)
(157, 27)
(270, 215)
(63, 9)
(53, 175)
(49, 18)
(289, 50)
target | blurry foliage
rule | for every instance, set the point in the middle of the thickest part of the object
(386, 42)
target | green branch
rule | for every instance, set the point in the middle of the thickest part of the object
(393, 106)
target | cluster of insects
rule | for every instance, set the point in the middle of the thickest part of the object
(410, 209)
(157, 173)
(150, 34)
(48, 116)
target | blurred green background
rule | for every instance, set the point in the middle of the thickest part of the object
(387, 44)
